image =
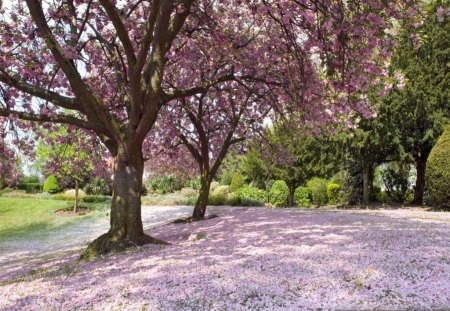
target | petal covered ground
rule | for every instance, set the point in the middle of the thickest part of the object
(259, 259)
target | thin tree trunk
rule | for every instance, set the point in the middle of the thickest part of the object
(291, 196)
(367, 183)
(75, 207)
(126, 227)
(419, 188)
(202, 201)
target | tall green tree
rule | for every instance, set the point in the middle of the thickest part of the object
(421, 109)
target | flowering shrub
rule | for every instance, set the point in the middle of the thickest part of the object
(279, 194)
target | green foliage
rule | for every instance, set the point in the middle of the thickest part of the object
(438, 172)
(253, 168)
(193, 183)
(213, 186)
(217, 200)
(96, 199)
(279, 194)
(30, 187)
(318, 189)
(333, 192)
(252, 193)
(395, 177)
(251, 202)
(230, 165)
(30, 184)
(301, 196)
(5, 191)
(51, 185)
(221, 190)
(232, 200)
(237, 182)
(98, 186)
(165, 184)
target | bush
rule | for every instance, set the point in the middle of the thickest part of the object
(217, 200)
(251, 193)
(71, 193)
(221, 190)
(333, 192)
(381, 197)
(5, 191)
(251, 202)
(18, 194)
(318, 189)
(237, 182)
(62, 197)
(98, 186)
(96, 199)
(279, 194)
(51, 185)
(438, 171)
(165, 184)
(213, 186)
(30, 187)
(233, 200)
(301, 196)
(193, 183)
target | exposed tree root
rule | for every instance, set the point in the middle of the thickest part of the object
(104, 244)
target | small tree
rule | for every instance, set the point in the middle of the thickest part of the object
(51, 184)
(237, 181)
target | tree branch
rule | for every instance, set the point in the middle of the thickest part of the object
(122, 33)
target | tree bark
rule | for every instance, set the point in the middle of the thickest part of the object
(419, 188)
(291, 196)
(367, 183)
(75, 207)
(202, 200)
(126, 227)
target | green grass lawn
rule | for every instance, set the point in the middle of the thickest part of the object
(30, 218)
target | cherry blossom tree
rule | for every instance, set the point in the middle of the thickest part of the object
(110, 67)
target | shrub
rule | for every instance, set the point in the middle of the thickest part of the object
(381, 197)
(251, 193)
(193, 183)
(279, 194)
(62, 197)
(333, 192)
(5, 191)
(18, 194)
(438, 171)
(71, 193)
(217, 200)
(251, 202)
(165, 184)
(98, 186)
(237, 182)
(213, 186)
(233, 200)
(51, 185)
(30, 187)
(301, 196)
(221, 190)
(96, 199)
(318, 189)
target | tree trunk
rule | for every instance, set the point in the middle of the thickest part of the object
(291, 196)
(75, 207)
(126, 227)
(202, 201)
(367, 183)
(419, 188)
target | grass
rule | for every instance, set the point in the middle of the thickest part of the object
(31, 218)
